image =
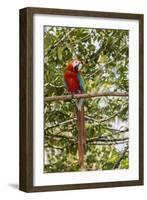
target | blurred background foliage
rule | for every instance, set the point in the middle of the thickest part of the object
(104, 54)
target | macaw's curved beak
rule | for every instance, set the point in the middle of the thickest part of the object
(78, 67)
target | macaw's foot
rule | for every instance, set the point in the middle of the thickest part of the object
(72, 95)
(72, 98)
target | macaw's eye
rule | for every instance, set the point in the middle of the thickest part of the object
(75, 62)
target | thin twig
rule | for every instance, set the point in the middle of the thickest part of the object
(86, 118)
(56, 86)
(104, 120)
(59, 136)
(90, 143)
(61, 123)
(54, 147)
(106, 140)
(107, 143)
(94, 140)
(94, 73)
(117, 130)
(58, 42)
(116, 165)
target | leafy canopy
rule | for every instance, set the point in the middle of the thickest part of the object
(104, 54)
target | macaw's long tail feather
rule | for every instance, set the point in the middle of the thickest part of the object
(81, 135)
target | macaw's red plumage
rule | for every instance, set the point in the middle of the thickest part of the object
(74, 84)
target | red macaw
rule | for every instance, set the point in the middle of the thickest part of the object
(74, 84)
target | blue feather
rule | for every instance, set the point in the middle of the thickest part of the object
(81, 82)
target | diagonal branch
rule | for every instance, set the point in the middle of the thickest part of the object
(116, 165)
(103, 120)
(58, 42)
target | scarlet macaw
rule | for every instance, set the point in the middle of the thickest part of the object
(74, 84)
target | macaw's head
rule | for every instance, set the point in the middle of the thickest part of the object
(75, 65)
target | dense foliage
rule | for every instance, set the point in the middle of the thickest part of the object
(104, 54)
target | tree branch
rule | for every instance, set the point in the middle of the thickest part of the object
(55, 86)
(61, 123)
(86, 118)
(79, 96)
(60, 136)
(107, 143)
(104, 120)
(117, 130)
(91, 75)
(58, 42)
(106, 140)
(54, 147)
(94, 140)
(91, 143)
(116, 165)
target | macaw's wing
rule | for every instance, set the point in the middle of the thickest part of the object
(81, 81)
(70, 84)
(67, 76)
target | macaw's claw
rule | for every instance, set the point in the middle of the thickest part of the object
(72, 95)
